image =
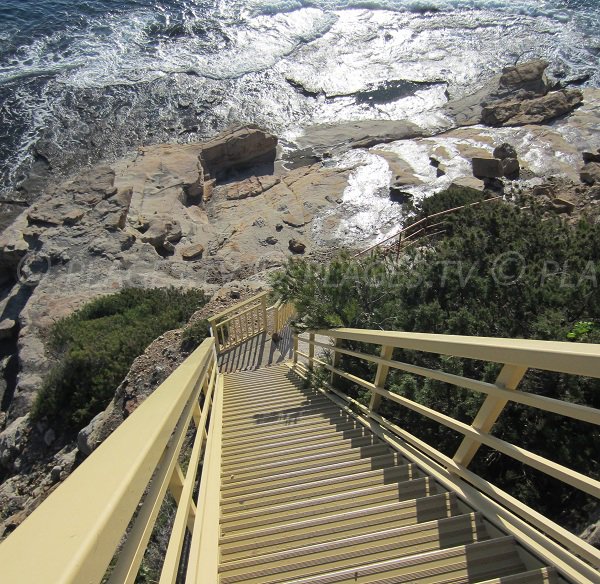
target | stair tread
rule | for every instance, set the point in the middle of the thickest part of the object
(244, 543)
(462, 563)
(334, 484)
(329, 504)
(313, 473)
(310, 496)
(351, 550)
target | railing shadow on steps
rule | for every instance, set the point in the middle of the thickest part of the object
(573, 557)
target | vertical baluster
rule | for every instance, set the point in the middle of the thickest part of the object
(336, 360)
(311, 351)
(381, 377)
(263, 308)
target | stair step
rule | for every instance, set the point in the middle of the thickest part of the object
(279, 420)
(267, 469)
(264, 436)
(287, 455)
(336, 469)
(250, 543)
(328, 504)
(314, 558)
(539, 576)
(268, 391)
(276, 413)
(240, 409)
(463, 564)
(262, 498)
(349, 431)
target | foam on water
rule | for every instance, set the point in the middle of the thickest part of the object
(118, 75)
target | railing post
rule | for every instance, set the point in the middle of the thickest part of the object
(381, 377)
(336, 360)
(490, 410)
(311, 351)
(295, 349)
(215, 334)
(263, 306)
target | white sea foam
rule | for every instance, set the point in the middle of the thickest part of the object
(233, 63)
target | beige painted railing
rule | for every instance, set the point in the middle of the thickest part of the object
(283, 313)
(517, 356)
(116, 494)
(239, 323)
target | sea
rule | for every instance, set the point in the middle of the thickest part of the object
(89, 80)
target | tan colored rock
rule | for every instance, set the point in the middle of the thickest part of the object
(73, 217)
(193, 252)
(250, 187)
(531, 111)
(241, 148)
(296, 220)
(529, 77)
(162, 229)
(402, 172)
(468, 182)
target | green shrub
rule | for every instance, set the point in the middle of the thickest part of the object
(96, 346)
(194, 334)
(499, 272)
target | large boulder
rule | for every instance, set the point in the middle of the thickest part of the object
(519, 112)
(240, 148)
(591, 156)
(162, 230)
(487, 168)
(527, 77)
(193, 252)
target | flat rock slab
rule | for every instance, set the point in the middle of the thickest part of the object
(362, 134)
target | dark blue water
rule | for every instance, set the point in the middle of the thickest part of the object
(82, 81)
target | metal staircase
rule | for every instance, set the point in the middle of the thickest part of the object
(309, 494)
(271, 479)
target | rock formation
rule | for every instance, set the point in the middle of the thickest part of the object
(520, 95)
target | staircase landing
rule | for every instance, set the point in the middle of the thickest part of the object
(310, 495)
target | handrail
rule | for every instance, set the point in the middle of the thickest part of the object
(517, 356)
(234, 326)
(76, 531)
(236, 307)
(398, 235)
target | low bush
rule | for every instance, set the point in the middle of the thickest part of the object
(499, 272)
(96, 346)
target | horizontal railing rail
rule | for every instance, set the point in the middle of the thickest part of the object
(241, 322)
(417, 230)
(516, 356)
(105, 512)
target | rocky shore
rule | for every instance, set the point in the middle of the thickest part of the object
(221, 214)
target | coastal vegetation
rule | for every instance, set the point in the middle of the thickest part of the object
(95, 347)
(499, 271)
